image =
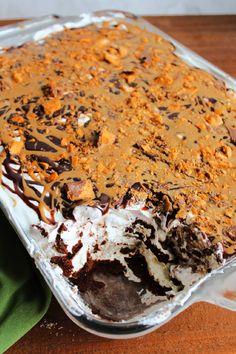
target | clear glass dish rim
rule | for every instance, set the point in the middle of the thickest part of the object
(84, 320)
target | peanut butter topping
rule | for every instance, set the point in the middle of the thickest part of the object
(92, 111)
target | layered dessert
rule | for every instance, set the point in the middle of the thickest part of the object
(127, 156)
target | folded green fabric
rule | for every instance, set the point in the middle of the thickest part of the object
(24, 296)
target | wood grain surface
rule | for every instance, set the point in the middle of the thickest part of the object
(202, 328)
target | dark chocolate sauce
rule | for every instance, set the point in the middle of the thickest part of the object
(16, 178)
(15, 175)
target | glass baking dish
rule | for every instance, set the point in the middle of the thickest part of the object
(218, 287)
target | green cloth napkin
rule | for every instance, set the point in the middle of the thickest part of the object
(24, 296)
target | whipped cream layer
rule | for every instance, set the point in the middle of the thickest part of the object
(159, 254)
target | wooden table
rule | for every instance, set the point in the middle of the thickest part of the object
(203, 328)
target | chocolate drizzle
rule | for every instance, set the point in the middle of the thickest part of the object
(116, 113)
(16, 177)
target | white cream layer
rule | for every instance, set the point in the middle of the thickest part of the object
(92, 228)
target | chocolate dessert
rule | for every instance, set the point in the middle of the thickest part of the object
(127, 155)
